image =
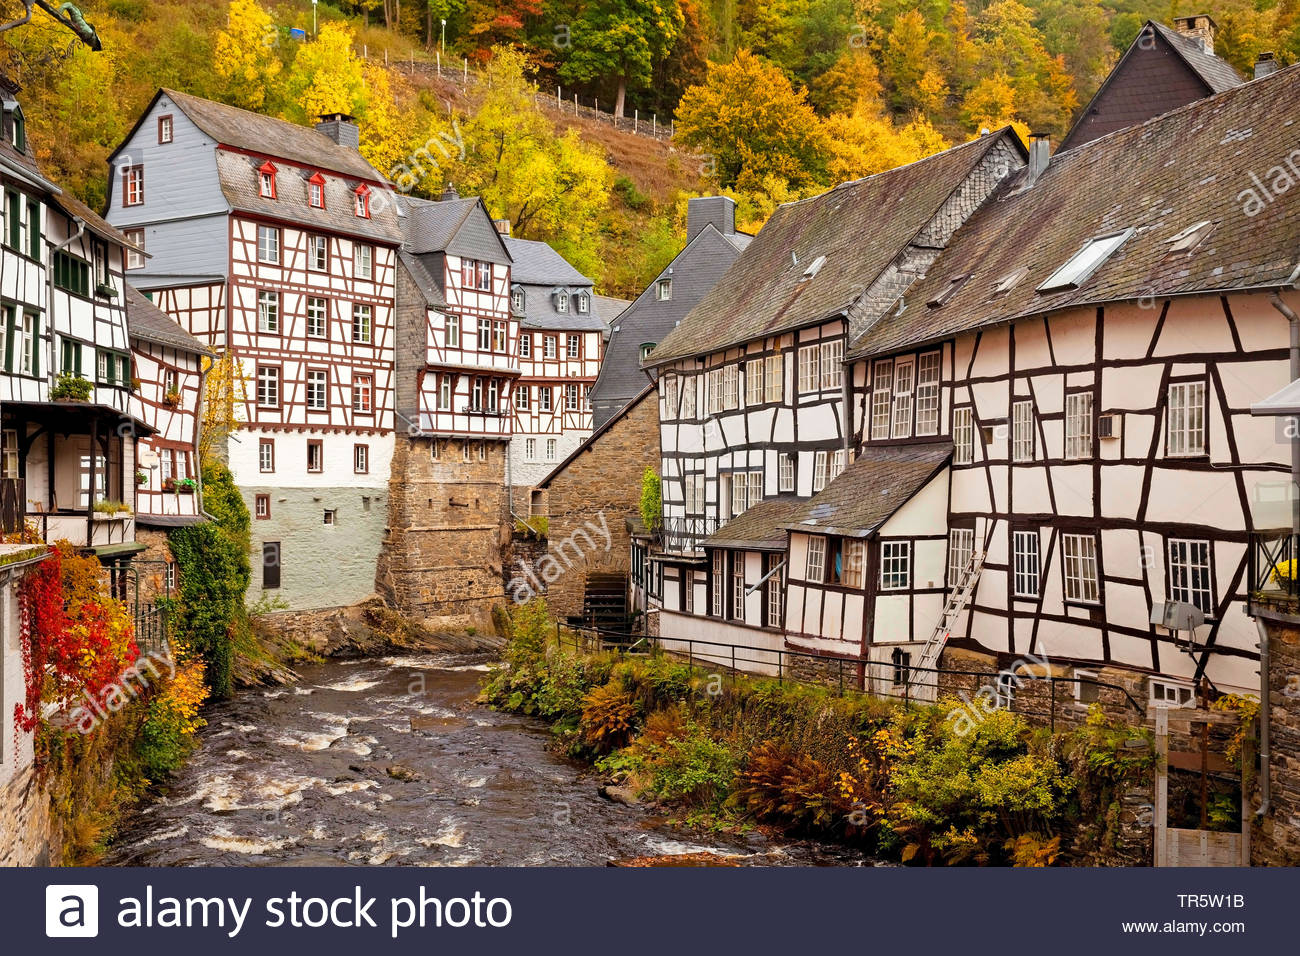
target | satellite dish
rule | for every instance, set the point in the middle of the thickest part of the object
(148, 458)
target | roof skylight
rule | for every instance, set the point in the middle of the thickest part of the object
(1085, 262)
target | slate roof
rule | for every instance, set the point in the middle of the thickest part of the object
(536, 263)
(1159, 178)
(760, 528)
(265, 135)
(870, 489)
(694, 271)
(542, 271)
(147, 322)
(450, 226)
(96, 223)
(424, 279)
(240, 185)
(860, 227)
(1218, 75)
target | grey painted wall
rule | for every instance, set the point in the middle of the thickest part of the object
(321, 566)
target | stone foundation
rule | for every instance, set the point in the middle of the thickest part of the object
(27, 835)
(151, 564)
(1275, 840)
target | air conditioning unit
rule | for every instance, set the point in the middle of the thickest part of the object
(1108, 426)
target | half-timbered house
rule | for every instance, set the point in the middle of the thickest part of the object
(279, 243)
(752, 386)
(561, 343)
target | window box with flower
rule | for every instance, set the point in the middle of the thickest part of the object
(70, 387)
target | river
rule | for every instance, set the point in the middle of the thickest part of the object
(391, 762)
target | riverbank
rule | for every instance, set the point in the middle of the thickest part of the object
(728, 753)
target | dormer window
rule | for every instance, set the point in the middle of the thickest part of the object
(561, 302)
(17, 126)
(266, 180)
(517, 300)
(664, 290)
(363, 201)
(646, 349)
(1085, 262)
(316, 191)
(582, 303)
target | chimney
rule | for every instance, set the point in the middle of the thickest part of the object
(449, 191)
(502, 226)
(341, 128)
(702, 210)
(1040, 154)
(1199, 27)
(1266, 65)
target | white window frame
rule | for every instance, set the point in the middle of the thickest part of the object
(530, 449)
(1080, 568)
(854, 556)
(1026, 564)
(1078, 426)
(773, 379)
(363, 261)
(1080, 266)
(809, 369)
(521, 397)
(690, 397)
(738, 585)
(268, 244)
(317, 390)
(318, 253)
(963, 435)
(753, 383)
(719, 575)
(832, 364)
(363, 394)
(904, 381)
(928, 375)
(671, 398)
(821, 469)
(882, 385)
(1191, 578)
(574, 345)
(1162, 692)
(664, 290)
(268, 311)
(786, 472)
(1185, 420)
(775, 604)
(961, 545)
(1022, 430)
(895, 565)
(363, 323)
(317, 318)
(815, 566)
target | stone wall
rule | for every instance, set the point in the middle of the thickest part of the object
(26, 828)
(593, 498)
(1275, 840)
(151, 564)
(443, 557)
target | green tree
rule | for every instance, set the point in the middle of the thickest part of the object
(652, 501)
(621, 40)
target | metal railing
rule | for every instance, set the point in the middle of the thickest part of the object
(151, 630)
(1272, 566)
(849, 675)
(684, 535)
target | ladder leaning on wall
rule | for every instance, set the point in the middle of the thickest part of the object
(923, 682)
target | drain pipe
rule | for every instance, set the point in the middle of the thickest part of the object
(1265, 705)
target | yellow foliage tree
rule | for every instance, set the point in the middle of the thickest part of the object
(224, 395)
(247, 56)
(326, 77)
(864, 143)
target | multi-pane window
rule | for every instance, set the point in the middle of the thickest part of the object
(1022, 431)
(165, 129)
(738, 586)
(695, 494)
(963, 436)
(363, 261)
(731, 387)
(444, 392)
(713, 385)
(755, 488)
(266, 455)
(467, 273)
(526, 345)
(317, 390)
(544, 397)
(134, 257)
(816, 569)
(785, 472)
(263, 506)
(821, 470)
(1078, 425)
(317, 317)
(363, 394)
(317, 194)
(361, 459)
(362, 323)
(530, 449)
(903, 371)
(669, 389)
(551, 447)
(809, 369)
(1189, 573)
(895, 565)
(1185, 434)
(27, 343)
(485, 335)
(881, 397)
(570, 397)
(1024, 564)
(775, 590)
(315, 455)
(111, 368)
(927, 394)
(561, 303)
(854, 555)
(71, 274)
(361, 203)
(718, 582)
(837, 464)
(268, 311)
(961, 545)
(754, 382)
(575, 345)
(132, 185)
(453, 331)
(70, 357)
(518, 298)
(832, 367)
(690, 398)
(268, 386)
(268, 244)
(521, 397)
(485, 276)
(266, 184)
(1079, 557)
(664, 290)
(739, 494)
(774, 384)
(548, 347)
(499, 330)
(318, 253)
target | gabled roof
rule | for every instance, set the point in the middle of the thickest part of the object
(590, 441)
(424, 280)
(267, 136)
(760, 528)
(868, 492)
(536, 263)
(694, 271)
(77, 209)
(459, 227)
(1200, 163)
(1135, 90)
(145, 321)
(543, 272)
(850, 235)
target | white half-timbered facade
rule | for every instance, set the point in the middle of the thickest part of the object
(279, 244)
(752, 386)
(561, 345)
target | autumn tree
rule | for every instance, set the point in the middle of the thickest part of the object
(326, 77)
(752, 124)
(865, 142)
(621, 40)
(247, 56)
